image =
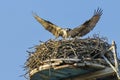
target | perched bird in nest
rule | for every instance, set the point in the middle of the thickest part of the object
(79, 31)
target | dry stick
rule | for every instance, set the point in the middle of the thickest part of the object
(56, 47)
(37, 61)
(63, 59)
(74, 52)
(98, 43)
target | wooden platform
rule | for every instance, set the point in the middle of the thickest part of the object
(68, 72)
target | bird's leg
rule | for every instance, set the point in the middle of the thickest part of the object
(56, 38)
(64, 39)
(76, 38)
(67, 38)
(70, 38)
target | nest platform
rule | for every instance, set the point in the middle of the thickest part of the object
(58, 60)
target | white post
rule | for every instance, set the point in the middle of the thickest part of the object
(115, 58)
(115, 68)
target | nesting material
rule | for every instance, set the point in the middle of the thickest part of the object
(88, 50)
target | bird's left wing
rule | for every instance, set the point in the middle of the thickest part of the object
(87, 26)
(48, 25)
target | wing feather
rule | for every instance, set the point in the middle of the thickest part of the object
(87, 26)
(48, 25)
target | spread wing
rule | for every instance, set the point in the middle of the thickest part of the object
(87, 26)
(55, 30)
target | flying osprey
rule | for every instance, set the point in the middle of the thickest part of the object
(79, 31)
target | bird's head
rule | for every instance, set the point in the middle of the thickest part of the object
(67, 29)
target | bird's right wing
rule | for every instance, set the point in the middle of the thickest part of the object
(48, 25)
(87, 26)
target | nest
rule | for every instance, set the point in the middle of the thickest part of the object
(82, 49)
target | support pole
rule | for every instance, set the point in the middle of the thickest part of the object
(115, 59)
(115, 68)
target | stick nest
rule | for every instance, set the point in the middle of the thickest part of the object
(83, 49)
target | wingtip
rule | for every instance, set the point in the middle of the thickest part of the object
(34, 14)
(98, 11)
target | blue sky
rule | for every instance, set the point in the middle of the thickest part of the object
(19, 30)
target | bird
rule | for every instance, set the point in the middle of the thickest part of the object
(79, 31)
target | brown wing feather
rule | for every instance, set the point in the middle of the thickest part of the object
(55, 30)
(87, 26)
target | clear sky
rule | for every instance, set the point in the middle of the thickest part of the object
(19, 30)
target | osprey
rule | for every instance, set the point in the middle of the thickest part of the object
(79, 31)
